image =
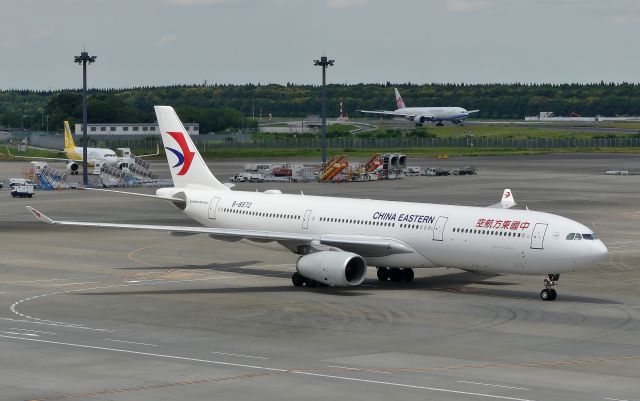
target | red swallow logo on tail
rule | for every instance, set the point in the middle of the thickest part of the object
(186, 156)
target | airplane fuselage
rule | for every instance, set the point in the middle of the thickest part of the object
(468, 238)
(107, 156)
(454, 114)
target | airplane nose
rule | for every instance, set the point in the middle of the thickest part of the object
(600, 252)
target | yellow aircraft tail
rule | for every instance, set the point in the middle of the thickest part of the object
(68, 139)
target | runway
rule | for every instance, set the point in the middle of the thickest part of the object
(88, 314)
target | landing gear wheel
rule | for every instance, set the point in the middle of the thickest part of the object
(545, 295)
(311, 283)
(383, 273)
(297, 279)
(395, 274)
(407, 275)
(549, 294)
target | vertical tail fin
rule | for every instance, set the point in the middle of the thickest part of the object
(68, 139)
(399, 101)
(188, 169)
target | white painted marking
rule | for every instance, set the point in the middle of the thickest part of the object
(46, 323)
(22, 334)
(33, 331)
(65, 284)
(51, 279)
(495, 385)
(244, 356)
(132, 281)
(131, 342)
(14, 306)
(614, 399)
(296, 372)
(358, 369)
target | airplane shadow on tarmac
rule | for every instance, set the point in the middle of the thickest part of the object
(462, 283)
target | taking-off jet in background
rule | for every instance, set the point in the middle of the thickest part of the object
(421, 115)
(337, 238)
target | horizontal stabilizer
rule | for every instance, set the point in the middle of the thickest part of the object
(166, 198)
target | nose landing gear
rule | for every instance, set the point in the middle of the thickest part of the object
(549, 294)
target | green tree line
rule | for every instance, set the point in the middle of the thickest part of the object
(220, 107)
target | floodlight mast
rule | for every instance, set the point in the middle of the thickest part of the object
(324, 63)
(83, 59)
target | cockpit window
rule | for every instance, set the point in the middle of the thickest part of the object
(570, 236)
(588, 236)
(577, 237)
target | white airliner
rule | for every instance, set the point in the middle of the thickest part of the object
(338, 238)
(420, 115)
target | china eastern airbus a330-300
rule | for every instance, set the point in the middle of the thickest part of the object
(338, 238)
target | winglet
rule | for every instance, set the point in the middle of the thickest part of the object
(40, 216)
(507, 200)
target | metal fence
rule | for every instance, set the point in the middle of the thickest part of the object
(205, 143)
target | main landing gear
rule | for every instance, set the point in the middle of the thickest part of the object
(299, 280)
(549, 294)
(395, 274)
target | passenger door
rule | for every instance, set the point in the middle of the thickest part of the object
(537, 238)
(438, 229)
(213, 206)
(305, 219)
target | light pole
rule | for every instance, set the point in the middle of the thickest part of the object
(83, 59)
(324, 63)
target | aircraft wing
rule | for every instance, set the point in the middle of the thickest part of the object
(367, 246)
(65, 159)
(473, 111)
(152, 154)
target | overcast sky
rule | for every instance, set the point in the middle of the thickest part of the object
(158, 42)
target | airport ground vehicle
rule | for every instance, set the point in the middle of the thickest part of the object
(466, 170)
(19, 181)
(413, 170)
(247, 177)
(22, 190)
(437, 171)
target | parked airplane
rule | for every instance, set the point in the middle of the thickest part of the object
(94, 155)
(420, 115)
(338, 238)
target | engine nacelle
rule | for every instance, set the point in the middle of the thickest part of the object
(420, 119)
(73, 167)
(342, 269)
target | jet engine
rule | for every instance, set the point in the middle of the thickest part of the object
(419, 119)
(73, 167)
(342, 269)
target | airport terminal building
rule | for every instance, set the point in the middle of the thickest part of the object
(130, 129)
